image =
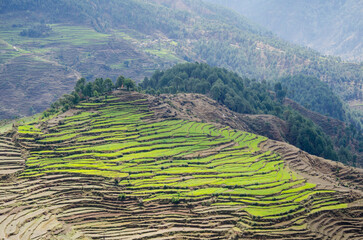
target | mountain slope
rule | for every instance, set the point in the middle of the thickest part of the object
(251, 97)
(136, 37)
(123, 168)
(29, 84)
(331, 27)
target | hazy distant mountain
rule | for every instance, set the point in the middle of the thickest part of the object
(332, 27)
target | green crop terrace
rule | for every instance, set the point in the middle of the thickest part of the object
(175, 161)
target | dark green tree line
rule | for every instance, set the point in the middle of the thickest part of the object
(84, 90)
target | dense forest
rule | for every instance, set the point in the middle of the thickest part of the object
(314, 94)
(37, 31)
(246, 96)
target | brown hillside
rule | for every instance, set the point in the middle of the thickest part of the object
(29, 84)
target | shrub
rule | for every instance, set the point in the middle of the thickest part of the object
(37, 31)
(121, 197)
(175, 200)
(116, 181)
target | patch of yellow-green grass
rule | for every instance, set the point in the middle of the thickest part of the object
(198, 182)
(227, 203)
(109, 129)
(206, 191)
(90, 104)
(140, 175)
(307, 186)
(65, 35)
(29, 129)
(331, 207)
(164, 54)
(271, 211)
(60, 138)
(123, 35)
(108, 174)
(305, 195)
(264, 191)
(6, 125)
(162, 197)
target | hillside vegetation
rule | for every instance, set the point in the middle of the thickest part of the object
(110, 168)
(135, 37)
(314, 95)
(251, 97)
(331, 27)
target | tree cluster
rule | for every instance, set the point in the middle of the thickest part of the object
(239, 94)
(37, 31)
(93, 89)
(84, 90)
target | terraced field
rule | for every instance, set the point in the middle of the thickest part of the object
(110, 169)
(10, 155)
(71, 51)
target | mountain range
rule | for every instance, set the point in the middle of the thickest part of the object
(46, 46)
